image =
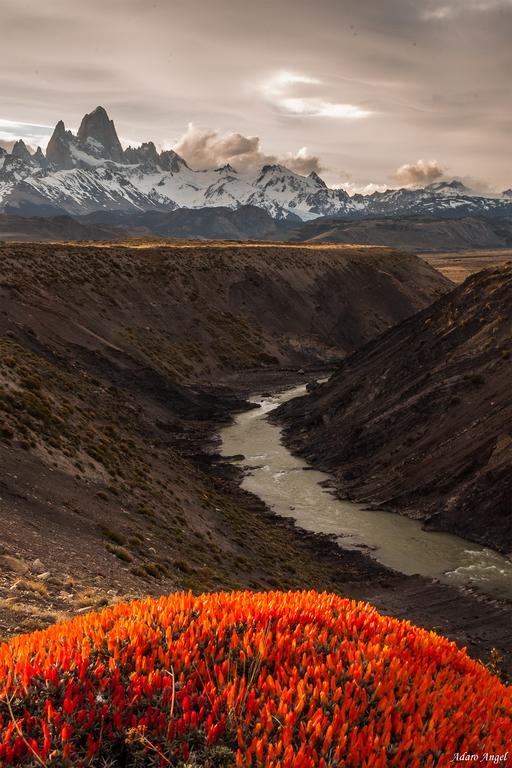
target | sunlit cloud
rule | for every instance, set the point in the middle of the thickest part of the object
(282, 90)
(452, 8)
(302, 162)
(352, 188)
(419, 174)
(318, 108)
(203, 148)
(282, 81)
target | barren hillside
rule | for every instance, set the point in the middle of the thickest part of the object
(419, 420)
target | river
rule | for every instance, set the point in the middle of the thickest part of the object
(279, 479)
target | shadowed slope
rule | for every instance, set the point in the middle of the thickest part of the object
(419, 419)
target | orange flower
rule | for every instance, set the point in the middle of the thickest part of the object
(281, 680)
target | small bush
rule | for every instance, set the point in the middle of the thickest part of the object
(112, 535)
(29, 585)
(120, 552)
(261, 680)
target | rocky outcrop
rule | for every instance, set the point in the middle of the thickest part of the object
(39, 158)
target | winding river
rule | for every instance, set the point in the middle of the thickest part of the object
(279, 479)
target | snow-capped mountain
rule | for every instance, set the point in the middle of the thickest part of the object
(90, 171)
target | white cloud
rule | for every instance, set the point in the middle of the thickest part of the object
(282, 81)
(203, 148)
(282, 90)
(302, 162)
(452, 8)
(31, 133)
(419, 174)
(309, 107)
(361, 189)
(438, 14)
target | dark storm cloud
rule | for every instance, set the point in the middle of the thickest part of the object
(368, 86)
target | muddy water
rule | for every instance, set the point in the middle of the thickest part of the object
(279, 479)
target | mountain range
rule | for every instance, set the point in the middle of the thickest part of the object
(90, 172)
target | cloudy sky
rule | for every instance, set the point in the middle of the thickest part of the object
(368, 92)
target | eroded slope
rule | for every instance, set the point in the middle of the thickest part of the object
(420, 419)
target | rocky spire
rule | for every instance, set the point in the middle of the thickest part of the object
(96, 129)
(317, 179)
(20, 150)
(58, 150)
(39, 158)
(143, 154)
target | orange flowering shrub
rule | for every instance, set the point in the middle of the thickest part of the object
(246, 679)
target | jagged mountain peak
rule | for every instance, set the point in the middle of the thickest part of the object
(20, 150)
(96, 129)
(146, 153)
(60, 129)
(275, 168)
(99, 112)
(453, 187)
(317, 179)
(170, 161)
(58, 151)
(273, 174)
(227, 168)
(39, 158)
